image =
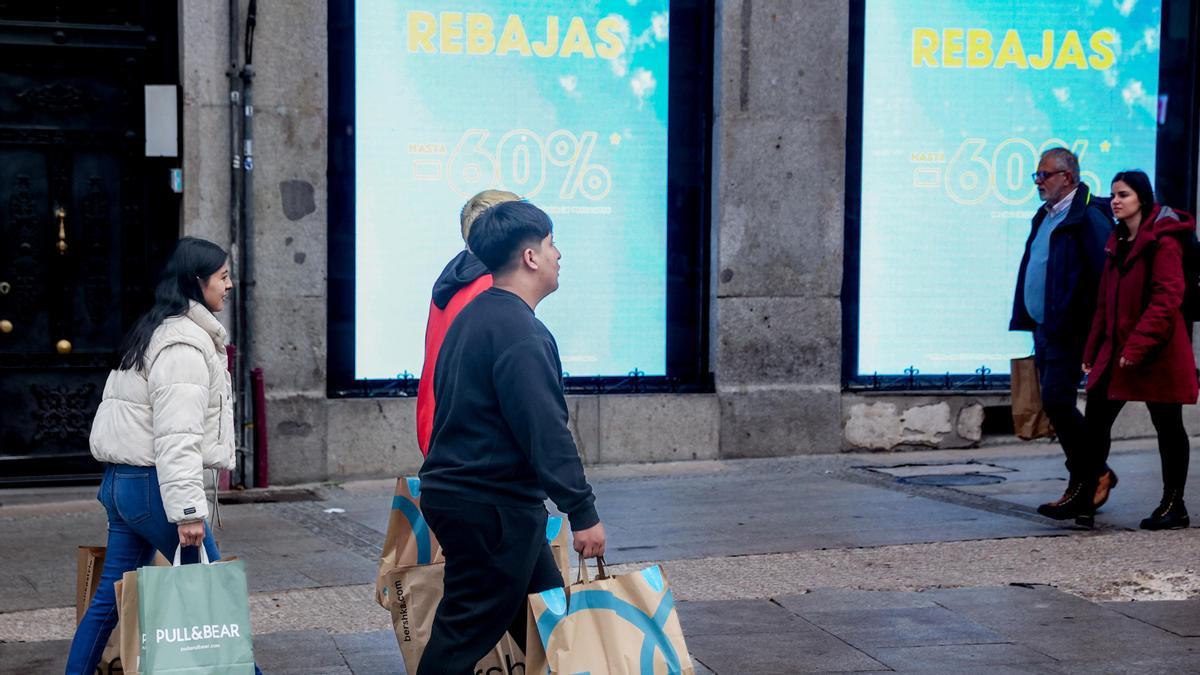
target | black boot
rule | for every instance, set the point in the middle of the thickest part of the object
(1170, 514)
(1077, 503)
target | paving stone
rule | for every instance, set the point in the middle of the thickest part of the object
(1061, 626)
(367, 653)
(828, 599)
(1041, 602)
(1136, 665)
(672, 518)
(997, 669)
(1181, 617)
(804, 651)
(910, 627)
(34, 657)
(725, 617)
(959, 658)
(299, 652)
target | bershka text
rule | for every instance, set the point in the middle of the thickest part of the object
(190, 633)
(402, 602)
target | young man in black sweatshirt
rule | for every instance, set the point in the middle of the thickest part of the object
(500, 446)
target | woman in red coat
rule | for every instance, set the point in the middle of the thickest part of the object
(1139, 348)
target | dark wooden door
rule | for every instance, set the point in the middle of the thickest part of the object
(85, 217)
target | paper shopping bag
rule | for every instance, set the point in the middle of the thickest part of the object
(413, 594)
(1029, 418)
(195, 618)
(620, 625)
(408, 540)
(560, 546)
(89, 565)
(127, 630)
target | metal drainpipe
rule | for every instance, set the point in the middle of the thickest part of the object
(235, 211)
(247, 173)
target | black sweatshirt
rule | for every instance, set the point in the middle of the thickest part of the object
(500, 432)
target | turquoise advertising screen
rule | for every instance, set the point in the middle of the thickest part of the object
(960, 97)
(561, 102)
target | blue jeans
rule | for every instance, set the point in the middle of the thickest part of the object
(137, 527)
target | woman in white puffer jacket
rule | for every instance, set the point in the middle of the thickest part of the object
(165, 417)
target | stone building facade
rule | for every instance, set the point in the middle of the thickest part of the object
(779, 149)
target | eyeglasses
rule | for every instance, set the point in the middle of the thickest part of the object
(1041, 176)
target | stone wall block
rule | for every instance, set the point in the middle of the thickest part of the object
(289, 341)
(291, 57)
(584, 422)
(290, 188)
(298, 436)
(659, 427)
(778, 341)
(206, 174)
(778, 423)
(797, 58)
(373, 438)
(780, 208)
(204, 53)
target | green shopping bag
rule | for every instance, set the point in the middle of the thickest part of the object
(195, 618)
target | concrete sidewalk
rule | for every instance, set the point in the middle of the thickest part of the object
(810, 564)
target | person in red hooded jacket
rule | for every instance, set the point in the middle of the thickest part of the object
(1139, 347)
(463, 278)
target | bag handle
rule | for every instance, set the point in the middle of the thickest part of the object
(601, 574)
(179, 550)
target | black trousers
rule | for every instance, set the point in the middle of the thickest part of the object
(495, 557)
(1173, 446)
(1060, 370)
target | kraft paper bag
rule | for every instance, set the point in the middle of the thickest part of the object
(1029, 418)
(89, 565)
(620, 625)
(409, 540)
(560, 546)
(195, 618)
(127, 630)
(413, 594)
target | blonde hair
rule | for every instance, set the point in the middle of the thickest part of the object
(480, 203)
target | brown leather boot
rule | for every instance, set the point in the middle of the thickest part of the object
(1108, 481)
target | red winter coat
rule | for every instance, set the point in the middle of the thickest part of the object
(1139, 316)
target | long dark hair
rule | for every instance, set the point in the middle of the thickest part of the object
(193, 260)
(1139, 182)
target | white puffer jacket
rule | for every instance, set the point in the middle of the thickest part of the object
(175, 415)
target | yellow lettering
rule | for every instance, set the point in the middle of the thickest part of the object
(925, 45)
(1071, 52)
(450, 37)
(479, 34)
(577, 41)
(513, 38)
(1101, 43)
(550, 46)
(1011, 51)
(421, 28)
(611, 46)
(979, 48)
(1042, 62)
(952, 47)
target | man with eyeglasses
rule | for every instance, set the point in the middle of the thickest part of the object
(1056, 296)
